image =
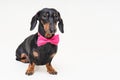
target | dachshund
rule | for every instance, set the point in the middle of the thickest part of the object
(41, 47)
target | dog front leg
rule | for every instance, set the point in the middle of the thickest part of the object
(30, 69)
(50, 69)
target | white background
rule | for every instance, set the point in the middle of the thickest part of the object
(88, 50)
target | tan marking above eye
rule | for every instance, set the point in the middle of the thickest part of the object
(47, 14)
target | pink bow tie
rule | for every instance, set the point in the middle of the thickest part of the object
(42, 40)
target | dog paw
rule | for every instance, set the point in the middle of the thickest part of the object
(29, 72)
(52, 72)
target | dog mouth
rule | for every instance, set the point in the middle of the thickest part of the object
(48, 35)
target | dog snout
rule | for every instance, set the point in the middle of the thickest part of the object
(52, 28)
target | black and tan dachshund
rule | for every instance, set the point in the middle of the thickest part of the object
(40, 48)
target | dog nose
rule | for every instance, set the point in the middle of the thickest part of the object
(52, 30)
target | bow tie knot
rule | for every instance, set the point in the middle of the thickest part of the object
(42, 40)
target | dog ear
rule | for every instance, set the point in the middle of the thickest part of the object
(60, 24)
(33, 22)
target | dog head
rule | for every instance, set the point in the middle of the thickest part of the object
(48, 19)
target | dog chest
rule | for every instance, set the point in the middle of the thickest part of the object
(45, 54)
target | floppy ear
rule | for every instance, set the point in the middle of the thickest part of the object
(33, 22)
(60, 24)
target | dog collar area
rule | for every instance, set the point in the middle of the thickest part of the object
(42, 40)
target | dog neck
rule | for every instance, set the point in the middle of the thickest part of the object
(42, 40)
(45, 35)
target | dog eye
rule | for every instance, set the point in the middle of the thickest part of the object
(45, 16)
(55, 15)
